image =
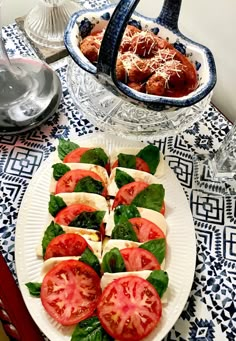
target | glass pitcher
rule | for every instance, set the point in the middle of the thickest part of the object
(30, 91)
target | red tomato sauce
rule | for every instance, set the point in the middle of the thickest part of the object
(147, 63)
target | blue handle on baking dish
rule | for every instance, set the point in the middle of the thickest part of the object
(115, 29)
(169, 15)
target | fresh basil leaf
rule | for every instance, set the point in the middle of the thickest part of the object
(52, 231)
(151, 197)
(127, 161)
(89, 185)
(96, 156)
(56, 203)
(159, 279)
(91, 259)
(90, 330)
(59, 169)
(34, 288)
(122, 178)
(113, 261)
(65, 147)
(125, 211)
(151, 155)
(157, 247)
(88, 220)
(124, 230)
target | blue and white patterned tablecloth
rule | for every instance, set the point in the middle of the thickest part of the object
(210, 313)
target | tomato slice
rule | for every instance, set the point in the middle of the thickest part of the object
(70, 292)
(138, 259)
(146, 230)
(67, 244)
(108, 168)
(75, 155)
(163, 209)
(140, 165)
(115, 164)
(129, 308)
(69, 213)
(70, 179)
(128, 192)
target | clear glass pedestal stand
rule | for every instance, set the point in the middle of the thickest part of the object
(116, 116)
(217, 172)
(45, 23)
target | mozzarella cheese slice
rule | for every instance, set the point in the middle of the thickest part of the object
(107, 277)
(136, 175)
(153, 216)
(109, 244)
(94, 200)
(84, 166)
(51, 262)
(88, 234)
(160, 171)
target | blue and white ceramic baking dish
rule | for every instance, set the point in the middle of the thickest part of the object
(115, 19)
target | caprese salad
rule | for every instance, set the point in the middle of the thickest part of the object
(103, 251)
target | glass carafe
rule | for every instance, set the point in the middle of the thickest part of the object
(30, 91)
(217, 172)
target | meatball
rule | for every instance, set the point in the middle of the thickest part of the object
(130, 30)
(162, 43)
(126, 40)
(125, 44)
(166, 54)
(90, 48)
(154, 63)
(176, 74)
(190, 71)
(121, 74)
(144, 44)
(136, 68)
(156, 85)
(139, 71)
(160, 58)
(141, 87)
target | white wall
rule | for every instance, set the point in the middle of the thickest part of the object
(216, 28)
(12, 9)
(210, 22)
